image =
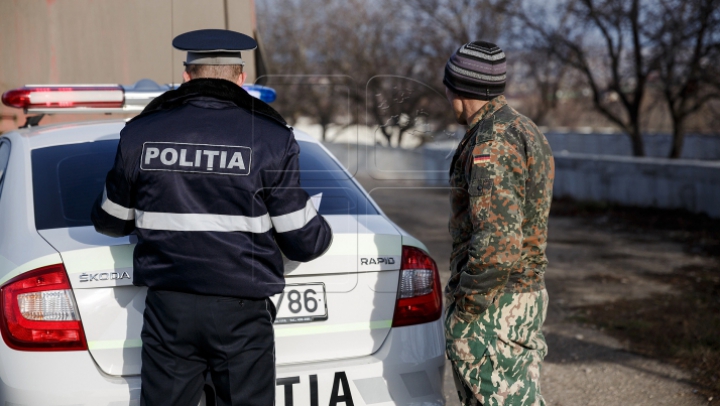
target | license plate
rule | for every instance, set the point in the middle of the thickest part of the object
(301, 303)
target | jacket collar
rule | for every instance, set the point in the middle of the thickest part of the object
(215, 88)
(488, 109)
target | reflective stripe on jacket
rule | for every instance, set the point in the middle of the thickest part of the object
(208, 179)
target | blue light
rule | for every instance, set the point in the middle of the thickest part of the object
(266, 94)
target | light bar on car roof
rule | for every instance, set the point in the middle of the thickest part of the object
(63, 97)
(49, 99)
(266, 94)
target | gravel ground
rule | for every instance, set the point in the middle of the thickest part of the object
(589, 264)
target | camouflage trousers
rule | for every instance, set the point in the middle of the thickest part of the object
(496, 356)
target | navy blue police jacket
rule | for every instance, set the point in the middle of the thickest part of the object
(208, 178)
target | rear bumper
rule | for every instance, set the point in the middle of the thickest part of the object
(408, 369)
(61, 378)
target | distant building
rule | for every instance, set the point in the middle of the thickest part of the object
(86, 41)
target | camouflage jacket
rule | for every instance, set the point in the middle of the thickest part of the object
(501, 177)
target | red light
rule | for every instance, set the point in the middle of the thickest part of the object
(422, 308)
(19, 98)
(29, 97)
(33, 334)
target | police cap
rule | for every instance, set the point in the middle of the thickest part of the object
(214, 47)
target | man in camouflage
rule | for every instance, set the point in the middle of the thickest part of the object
(501, 177)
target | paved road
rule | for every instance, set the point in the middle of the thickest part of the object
(584, 366)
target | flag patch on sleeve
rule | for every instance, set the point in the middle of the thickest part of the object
(479, 159)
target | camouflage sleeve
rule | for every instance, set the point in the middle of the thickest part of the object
(497, 174)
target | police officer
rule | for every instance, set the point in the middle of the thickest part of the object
(501, 177)
(207, 177)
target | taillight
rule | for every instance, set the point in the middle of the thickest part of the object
(39, 312)
(64, 96)
(419, 292)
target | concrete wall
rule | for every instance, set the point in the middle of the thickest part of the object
(380, 162)
(644, 182)
(693, 185)
(437, 158)
(696, 146)
(106, 41)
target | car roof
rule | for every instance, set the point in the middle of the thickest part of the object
(87, 131)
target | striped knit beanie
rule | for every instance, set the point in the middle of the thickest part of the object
(477, 71)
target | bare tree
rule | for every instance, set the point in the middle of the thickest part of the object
(323, 98)
(443, 25)
(605, 41)
(368, 44)
(543, 77)
(405, 48)
(687, 59)
(298, 39)
(459, 21)
(393, 50)
(615, 55)
(402, 105)
(330, 102)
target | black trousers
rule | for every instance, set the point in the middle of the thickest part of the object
(186, 337)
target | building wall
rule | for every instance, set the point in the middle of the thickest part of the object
(104, 41)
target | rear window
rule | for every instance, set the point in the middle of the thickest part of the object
(68, 178)
(320, 174)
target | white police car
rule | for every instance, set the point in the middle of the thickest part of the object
(358, 326)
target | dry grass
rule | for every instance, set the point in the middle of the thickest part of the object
(682, 328)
